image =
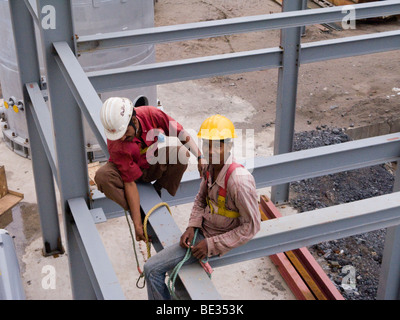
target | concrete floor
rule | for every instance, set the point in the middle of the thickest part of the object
(256, 279)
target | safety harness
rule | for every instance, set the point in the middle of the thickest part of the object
(221, 205)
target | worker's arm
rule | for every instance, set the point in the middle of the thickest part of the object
(196, 216)
(132, 196)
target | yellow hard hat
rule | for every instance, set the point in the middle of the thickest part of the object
(217, 128)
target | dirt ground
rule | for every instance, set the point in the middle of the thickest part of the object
(346, 92)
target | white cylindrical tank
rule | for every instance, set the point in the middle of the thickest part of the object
(90, 17)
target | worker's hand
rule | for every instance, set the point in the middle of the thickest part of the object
(202, 166)
(187, 238)
(200, 250)
(139, 232)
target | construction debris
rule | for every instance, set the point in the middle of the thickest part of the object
(8, 199)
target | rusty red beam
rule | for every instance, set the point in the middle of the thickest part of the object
(289, 273)
(308, 262)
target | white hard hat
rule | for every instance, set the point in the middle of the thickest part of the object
(115, 116)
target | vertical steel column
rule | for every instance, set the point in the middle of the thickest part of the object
(29, 71)
(287, 94)
(389, 280)
(55, 17)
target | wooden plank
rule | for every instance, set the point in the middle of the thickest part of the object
(3, 182)
(318, 274)
(8, 198)
(8, 202)
(305, 275)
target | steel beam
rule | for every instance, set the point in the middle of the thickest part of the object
(69, 136)
(308, 228)
(305, 164)
(41, 116)
(326, 160)
(28, 63)
(350, 46)
(97, 263)
(389, 280)
(83, 91)
(30, 5)
(188, 69)
(197, 68)
(194, 278)
(216, 28)
(290, 167)
(287, 95)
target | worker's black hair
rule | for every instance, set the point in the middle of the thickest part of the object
(131, 123)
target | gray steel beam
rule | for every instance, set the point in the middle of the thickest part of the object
(28, 63)
(294, 166)
(350, 46)
(287, 95)
(69, 136)
(389, 280)
(83, 91)
(30, 5)
(196, 68)
(194, 278)
(235, 25)
(305, 164)
(188, 69)
(41, 116)
(307, 228)
(11, 286)
(97, 263)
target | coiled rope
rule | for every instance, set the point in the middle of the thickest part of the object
(175, 271)
(141, 273)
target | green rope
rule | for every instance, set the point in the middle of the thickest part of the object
(141, 274)
(174, 273)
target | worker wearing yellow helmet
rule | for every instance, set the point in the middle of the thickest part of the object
(225, 213)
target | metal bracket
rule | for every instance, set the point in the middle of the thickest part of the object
(98, 215)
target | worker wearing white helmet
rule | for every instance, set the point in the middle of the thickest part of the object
(132, 136)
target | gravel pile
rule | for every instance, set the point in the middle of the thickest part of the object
(358, 257)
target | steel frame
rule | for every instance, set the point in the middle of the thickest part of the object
(63, 156)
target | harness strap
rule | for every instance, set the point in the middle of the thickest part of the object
(222, 210)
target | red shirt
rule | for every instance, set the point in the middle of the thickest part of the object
(126, 154)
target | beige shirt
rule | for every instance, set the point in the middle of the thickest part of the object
(222, 233)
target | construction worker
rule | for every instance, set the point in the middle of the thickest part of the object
(132, 140)
(225, 213)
